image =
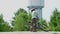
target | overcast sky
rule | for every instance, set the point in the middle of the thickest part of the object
(8, 7)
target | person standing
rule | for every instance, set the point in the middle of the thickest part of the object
(34, 20)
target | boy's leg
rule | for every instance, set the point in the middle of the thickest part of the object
(34, 21)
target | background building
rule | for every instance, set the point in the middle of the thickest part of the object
(39, 4)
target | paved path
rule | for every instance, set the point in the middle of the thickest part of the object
(29, 32)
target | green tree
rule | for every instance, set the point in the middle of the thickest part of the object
(42, 24)
(3, 25)
(16, 14)
(21, 21)
(1, 22)
(55, 21)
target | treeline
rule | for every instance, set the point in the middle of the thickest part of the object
(21, 22)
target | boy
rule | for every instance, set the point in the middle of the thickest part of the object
(34, 20)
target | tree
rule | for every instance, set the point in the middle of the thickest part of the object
(16, 14)
(3, 25)
(42, 25)
(20, 11)
(55, 21)
(1, 22)
(21, 21)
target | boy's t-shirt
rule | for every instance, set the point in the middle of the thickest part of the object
(34, 14)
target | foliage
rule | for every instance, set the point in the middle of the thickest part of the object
(3, 25)
(16, 14)
(6, 27)
(55, 21)
(42, 24)
(21, 21)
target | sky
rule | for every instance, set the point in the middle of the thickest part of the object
(9, 7)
